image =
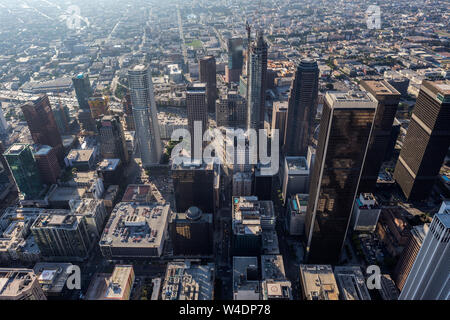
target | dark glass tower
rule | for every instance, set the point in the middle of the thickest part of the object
(83, 90)
(256, 83)
(302, 109)
(388, 99)
(426, 141)
(235, 59)
(112, 138)
(24, 170)
(345, 129)
(42, 125)
(207, 71)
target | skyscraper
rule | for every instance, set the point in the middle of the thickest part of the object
(24, 170)
(207, 70)
(345, 129)
(112, 138)
(145, 114)
(426, 141)
(47, 163)
(83, 90)
(302, 109)
(231, 110)
(62, 118)
(388, 99)
(256, 83)
(42, 125)
(409, 254)
(235, 60)
(197, 109)
(128, 112)
(3, 124)
(429, 276)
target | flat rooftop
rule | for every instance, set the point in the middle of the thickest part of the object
(66, 194)
(41, 150)
(380, 87)
(52, 276)
(296, 165)
(442, 86)
(137, 193)
(188, 281)
(52, 219)
(272, 267)
(136, 225)
(318, 282)
(13, 281)
(108, 164)
(351, 282)
(350, 100)
(245, 270)
(80, 155)
(117, 284)
(16, 149)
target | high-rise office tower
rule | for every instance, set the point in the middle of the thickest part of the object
(388, 99)
(3, 124)
(83, 89)
(193, 185)
(345, 129)
(256, 83)
(231, 110)
(279, 116)
(3, 160)
(302, 109)
(112, 138)
(42, 124)
(235, 60)
(409, 254)
(128, 112)
(429, 278)
(145, 114)
(191, 232)
(197, 109)
(207, 70)
(426, 142)
(62, 118)
(47, 163)
(24, 170)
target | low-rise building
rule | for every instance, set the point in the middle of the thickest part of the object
(186, 280)
(318, 282)
(20, 284)
(135, 230)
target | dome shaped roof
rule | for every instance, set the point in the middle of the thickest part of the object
(193, 213)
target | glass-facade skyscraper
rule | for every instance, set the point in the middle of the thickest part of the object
(302, 109)
(24, 169)
(42, 125)
(426, 142)
(345, 129)
(256, 83)
(145, 114)
(388, 99)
